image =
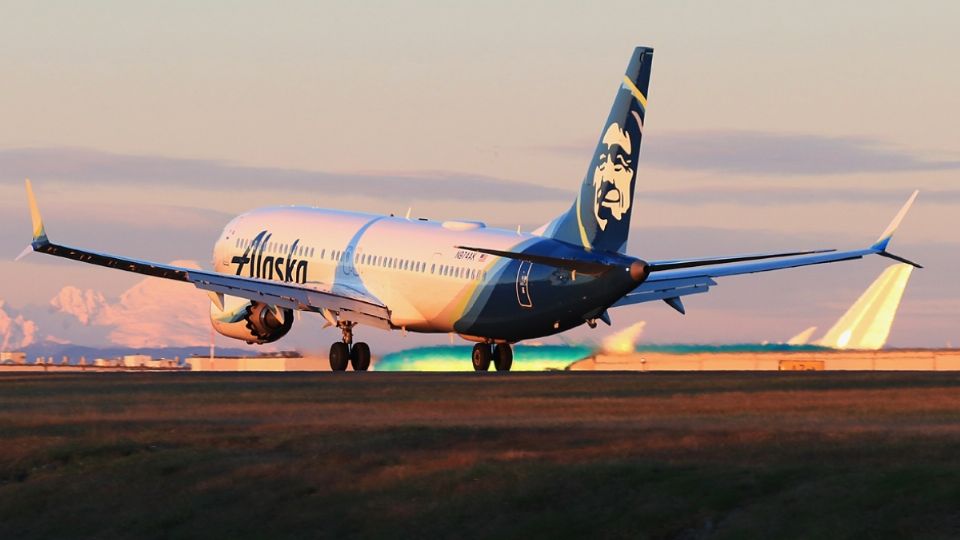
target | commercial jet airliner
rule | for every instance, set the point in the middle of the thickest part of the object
(491, 286)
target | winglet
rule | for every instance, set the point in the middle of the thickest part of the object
(881, 243)
(39, 234)
(880, 246)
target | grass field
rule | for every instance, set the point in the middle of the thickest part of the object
(554, 455)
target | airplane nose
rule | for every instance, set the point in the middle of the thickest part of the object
(639, 270)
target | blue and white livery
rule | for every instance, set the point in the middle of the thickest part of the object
(491, 286)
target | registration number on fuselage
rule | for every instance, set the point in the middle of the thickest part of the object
(466, 255)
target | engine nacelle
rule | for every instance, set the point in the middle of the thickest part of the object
(253, 322)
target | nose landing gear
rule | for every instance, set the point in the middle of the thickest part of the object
(346, 351)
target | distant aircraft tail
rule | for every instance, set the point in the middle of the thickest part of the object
(867, 323)
(600, 216)
(803, 337)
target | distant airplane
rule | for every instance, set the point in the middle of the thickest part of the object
(867, 323)
(491, 286)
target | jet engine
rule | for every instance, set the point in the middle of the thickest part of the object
(253, 322)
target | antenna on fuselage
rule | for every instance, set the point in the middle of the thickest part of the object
(409, 209)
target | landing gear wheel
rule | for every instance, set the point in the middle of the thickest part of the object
(481, 357)
(339, 356)
(503, 357)
(360, 356)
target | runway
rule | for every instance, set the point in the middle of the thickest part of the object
(560, 454)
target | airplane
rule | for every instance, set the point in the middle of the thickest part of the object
(866, 325)
(490, 286)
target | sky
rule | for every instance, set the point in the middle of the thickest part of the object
(774, 125)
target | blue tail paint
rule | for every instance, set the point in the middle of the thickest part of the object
(600, 217)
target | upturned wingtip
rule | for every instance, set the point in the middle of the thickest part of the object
(881, 243)
(39, 233)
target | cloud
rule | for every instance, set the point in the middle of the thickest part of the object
(16, 332)
(84, 305)
(85, 165)
(773, 154)
(765, 153)
(789, 195)
(152, 313)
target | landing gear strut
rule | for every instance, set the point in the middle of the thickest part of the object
(501, 355)
(347, 352)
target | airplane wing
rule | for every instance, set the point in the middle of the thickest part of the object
(669, 280)
(352, 304)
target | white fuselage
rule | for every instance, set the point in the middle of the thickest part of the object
(410, 265)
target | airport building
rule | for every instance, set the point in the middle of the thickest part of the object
(279, 362)
(13, 358)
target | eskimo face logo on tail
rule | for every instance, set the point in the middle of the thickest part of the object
(288, 269)
(615, 170)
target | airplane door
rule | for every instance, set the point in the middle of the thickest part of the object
(523, 284)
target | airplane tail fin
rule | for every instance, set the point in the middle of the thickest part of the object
(600, 216)
(803, 337)
(867, 323)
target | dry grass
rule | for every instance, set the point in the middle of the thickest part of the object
(419, 455)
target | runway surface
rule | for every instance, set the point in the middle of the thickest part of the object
(565, 455)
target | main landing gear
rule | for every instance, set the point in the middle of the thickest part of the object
(501, 354)
(346, 351)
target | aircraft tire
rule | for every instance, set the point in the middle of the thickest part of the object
(481, 357)
(360, 356)
(503, 357)
(339, 356)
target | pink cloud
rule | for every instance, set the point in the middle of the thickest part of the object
(153, 313)
(84, 305)
(15, 332)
